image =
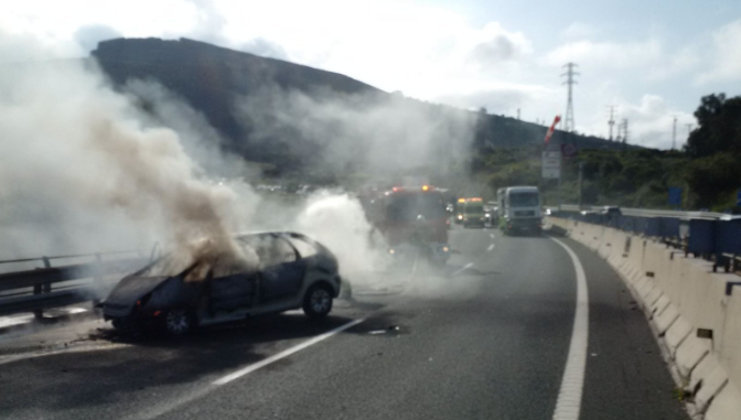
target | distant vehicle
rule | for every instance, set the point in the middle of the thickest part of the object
(490, 214)
(520, 209)
(472, 212)
(611, 210)
(414, 216)
(290, 271)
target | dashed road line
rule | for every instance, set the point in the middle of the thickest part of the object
(490, 248)
(568, 404)
(462, 269)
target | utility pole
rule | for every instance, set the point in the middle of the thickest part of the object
(625, 130)
(518, 113)
(570, 82)
(581, 178)
(611, 122)
(674, 134)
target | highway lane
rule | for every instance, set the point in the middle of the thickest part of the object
(487, 337)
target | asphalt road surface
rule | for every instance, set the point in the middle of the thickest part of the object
(486, 337)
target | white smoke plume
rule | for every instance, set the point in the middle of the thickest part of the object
(84, 169)
(377, 135)
(80, 172)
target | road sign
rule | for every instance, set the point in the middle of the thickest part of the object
(568, 150)
(551, 164)
(675, 196)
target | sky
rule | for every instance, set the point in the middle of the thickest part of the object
(650, 60)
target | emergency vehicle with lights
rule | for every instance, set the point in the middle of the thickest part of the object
(417, 217)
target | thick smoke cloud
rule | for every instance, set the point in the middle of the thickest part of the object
(86, 168)
(382, 136)
(80, 172)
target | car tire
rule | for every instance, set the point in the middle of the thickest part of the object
(317, 301)
(178, 322)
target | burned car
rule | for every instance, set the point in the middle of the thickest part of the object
(276, 271)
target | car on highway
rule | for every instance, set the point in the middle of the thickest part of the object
(285, 271)
(611, 211)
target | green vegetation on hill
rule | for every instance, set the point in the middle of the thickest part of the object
(708, 171)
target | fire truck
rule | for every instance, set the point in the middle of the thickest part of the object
(416, 218)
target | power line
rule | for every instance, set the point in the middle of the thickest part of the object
(570, 82)
(625, 130)
(611, 121)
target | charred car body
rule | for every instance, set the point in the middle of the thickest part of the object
(288, 271)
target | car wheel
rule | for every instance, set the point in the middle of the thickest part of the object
(317, 301)
(178, 322)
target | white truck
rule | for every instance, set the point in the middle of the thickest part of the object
(519, 209)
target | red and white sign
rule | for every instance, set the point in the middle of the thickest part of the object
(550, 131)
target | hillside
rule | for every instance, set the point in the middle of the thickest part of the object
(229, 88)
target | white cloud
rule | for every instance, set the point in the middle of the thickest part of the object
(607, 54)
(725, 61)
(426, 51)
(578, 30)
(649, 122)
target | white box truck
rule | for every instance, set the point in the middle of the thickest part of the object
(520, 209)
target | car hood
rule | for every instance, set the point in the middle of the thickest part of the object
(131, 288)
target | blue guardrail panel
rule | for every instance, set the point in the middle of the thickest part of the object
(668, 227)
(652, 226)
(728, 237)
(702, 236)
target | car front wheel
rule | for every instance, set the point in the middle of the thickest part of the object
(317, 302)
(178, 322)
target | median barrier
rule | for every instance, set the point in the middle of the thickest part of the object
(706, 382)
(729, 343)
(661, 303)
(725, 405)
(664, 319)
(676, 334)
(690, 353)
(700, 294)
(695, 311)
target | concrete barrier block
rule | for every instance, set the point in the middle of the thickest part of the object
(699, 295)
(665, 319)
(689, 354)
(635, 276)
(729, 338)
(652, 297)
(676, 334)
(726, 405)
(645, 289)
(660, 305)
(707, 380)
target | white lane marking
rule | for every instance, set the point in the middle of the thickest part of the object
(490, 248)
(491, 235)
(568, 404)
(414, 265)
(285, 353)
(58, 349)
(462, 269)
(11, 321)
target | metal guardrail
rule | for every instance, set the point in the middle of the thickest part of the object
(628, 211)
(46, 287)
(712, 236)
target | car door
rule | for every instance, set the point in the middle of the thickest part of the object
(231, 287)
(282, 269)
